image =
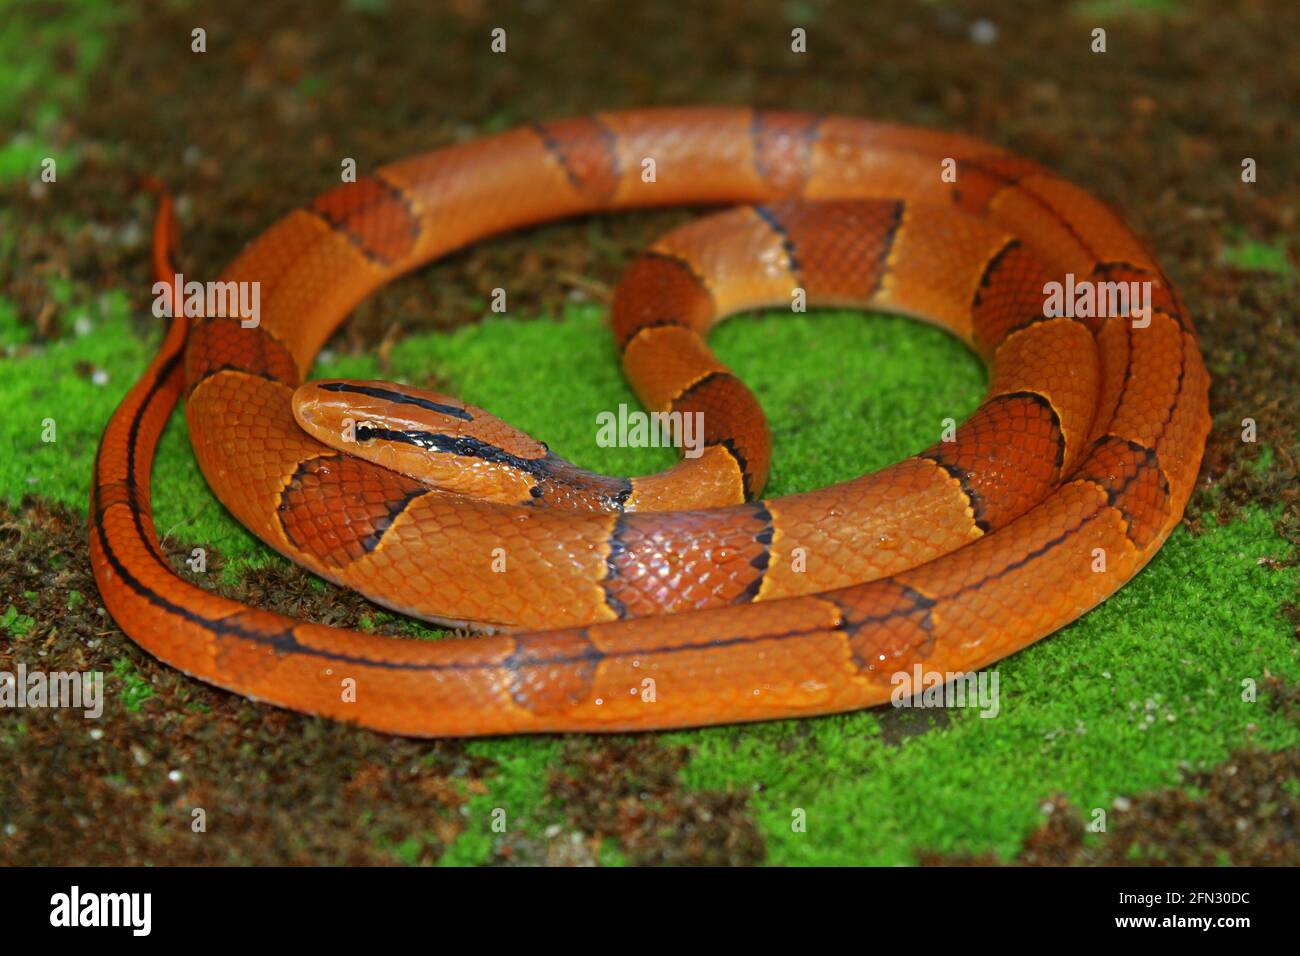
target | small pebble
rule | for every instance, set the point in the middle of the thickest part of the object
(983, 32)
(131, 235)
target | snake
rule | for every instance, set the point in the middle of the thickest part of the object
(682, 598)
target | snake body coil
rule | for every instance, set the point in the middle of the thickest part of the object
(1058, 489)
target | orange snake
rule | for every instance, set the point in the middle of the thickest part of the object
(678, 599)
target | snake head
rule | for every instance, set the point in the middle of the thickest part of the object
(429, 436)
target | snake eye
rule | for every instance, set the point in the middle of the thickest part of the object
(365, 431)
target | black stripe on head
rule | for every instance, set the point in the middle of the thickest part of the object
(462, 445)
(397, 398)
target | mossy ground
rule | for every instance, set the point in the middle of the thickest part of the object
(1136, 709)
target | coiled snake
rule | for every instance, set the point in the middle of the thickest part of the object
(727, 607)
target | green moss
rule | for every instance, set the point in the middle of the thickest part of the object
(15, 623)
(136, 689)
(408, 851)
(1252, 256)
(515, 800)
(61, 393)
(49, 58)
(611, 855)
(22, 158)
(1121, 9)
(12, 331)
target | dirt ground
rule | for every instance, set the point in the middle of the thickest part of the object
(1158, 125)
